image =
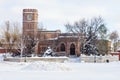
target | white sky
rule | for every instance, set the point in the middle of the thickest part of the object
(53, 14)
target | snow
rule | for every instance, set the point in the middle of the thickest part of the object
(68, 36)
(52, 38)
(46, 66)
(1, 57)
(70, 70)
(48, 52)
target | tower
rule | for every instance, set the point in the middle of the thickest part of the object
(30, 22)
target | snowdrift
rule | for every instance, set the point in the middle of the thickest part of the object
(46, 66)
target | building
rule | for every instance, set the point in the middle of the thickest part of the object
(62, 43)
(30, 22)
(66, 44)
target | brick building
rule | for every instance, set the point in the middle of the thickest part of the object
(61, 43)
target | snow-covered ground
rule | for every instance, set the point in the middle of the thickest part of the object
(59, 71)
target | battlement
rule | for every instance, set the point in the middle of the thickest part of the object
(30, 10)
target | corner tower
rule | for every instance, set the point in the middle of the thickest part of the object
(30, 22)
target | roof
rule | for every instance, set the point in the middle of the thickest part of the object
(68, 37)
(68, 34)
(49, 31)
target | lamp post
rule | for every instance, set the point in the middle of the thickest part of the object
(94, 58)
(21, 48)
(36, 46)
(95, 53)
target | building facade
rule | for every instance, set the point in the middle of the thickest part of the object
(66, 44)
(30, 22)
(61, 43)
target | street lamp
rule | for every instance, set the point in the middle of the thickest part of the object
(94, 58)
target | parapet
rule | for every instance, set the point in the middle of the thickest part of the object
(30, 10)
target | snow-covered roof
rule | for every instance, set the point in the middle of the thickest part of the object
(52, 38)
(68, 36)
(50, 31)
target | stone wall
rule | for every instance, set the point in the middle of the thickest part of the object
(99, 59)
(31, 59)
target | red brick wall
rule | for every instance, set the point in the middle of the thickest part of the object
(116, 53)
(2, 51)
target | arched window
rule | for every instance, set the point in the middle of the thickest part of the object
(72, 49)
(62, 47)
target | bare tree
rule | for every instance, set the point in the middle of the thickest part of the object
(29, 45)
(11, 35)
(1, 43)
(80, 28)
(114, 37)
(87, 32)
(103, 43)
(7, 36)
(30, 41)
(103, 46)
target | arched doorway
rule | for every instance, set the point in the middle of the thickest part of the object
(72, 49)
(62, 47)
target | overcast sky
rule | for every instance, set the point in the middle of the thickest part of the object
(53, 14)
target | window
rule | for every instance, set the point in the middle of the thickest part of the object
(62, 47)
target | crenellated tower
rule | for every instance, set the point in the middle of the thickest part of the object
(30, 22)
